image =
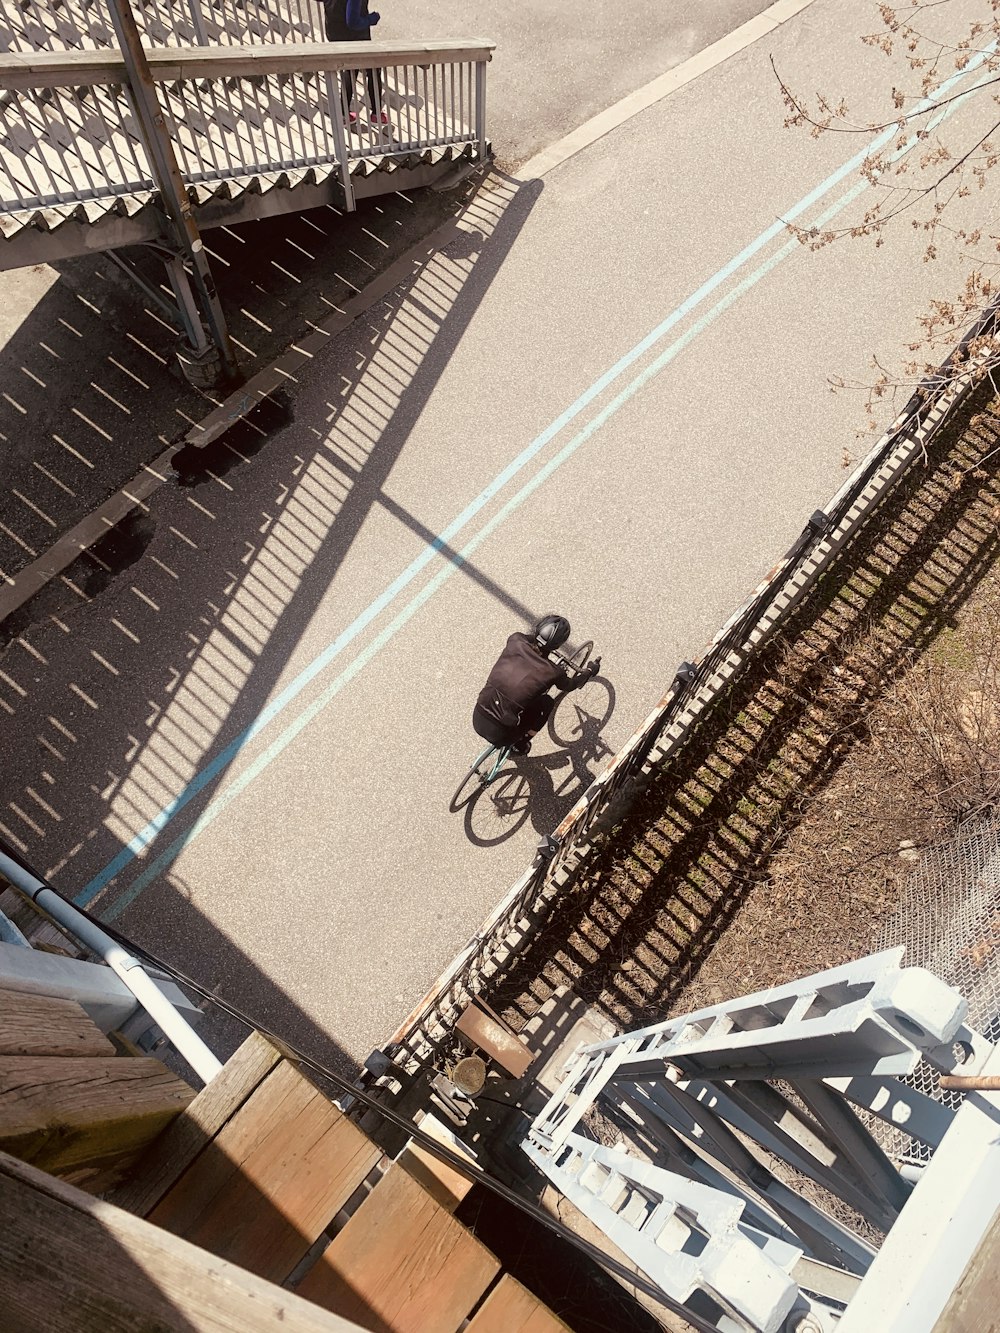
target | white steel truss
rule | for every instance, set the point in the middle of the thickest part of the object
(739, 1175)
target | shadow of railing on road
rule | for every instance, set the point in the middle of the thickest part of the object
(636, 929)
(137, 711)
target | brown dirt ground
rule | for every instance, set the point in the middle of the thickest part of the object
(869, 730)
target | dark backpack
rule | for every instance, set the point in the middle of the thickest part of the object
(500, 708)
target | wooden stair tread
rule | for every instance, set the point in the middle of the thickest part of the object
(401, 1264)
(177, 1147)
(511, 1308)
(69, 1262)
(442, 1182)
(47, 1025)
(64, 1113)
(265, 1186)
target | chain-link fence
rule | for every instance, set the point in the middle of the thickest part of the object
(949, 921)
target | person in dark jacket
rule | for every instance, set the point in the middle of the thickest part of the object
(515, 702)
(350, 21)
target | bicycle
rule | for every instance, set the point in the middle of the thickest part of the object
(489, 764)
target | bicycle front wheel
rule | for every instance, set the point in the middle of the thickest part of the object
(579, 659)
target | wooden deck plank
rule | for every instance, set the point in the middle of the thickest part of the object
(65, 1113)
(486, 1034)
(511, 1308)
(175, 1149)
(69, 1262)
(274, 1176)
(442, 1182)
(46, 1025)
(402, 1264)
(974, 1306)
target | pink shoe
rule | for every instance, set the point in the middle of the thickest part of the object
(380, 118)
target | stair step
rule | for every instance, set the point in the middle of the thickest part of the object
(442, 1182)
(44, 1025)
(69, 1262)
(84, 1113)
(271, 1178)
(511, 1308)
(174, 1151)
(401, 1262)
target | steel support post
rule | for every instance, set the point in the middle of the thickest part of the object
(187, 306)
(338, 110)
(198, 19)
(169, 181)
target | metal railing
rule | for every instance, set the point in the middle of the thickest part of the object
(696, 689)
(69, 132)
(121, 961)
(83, 25)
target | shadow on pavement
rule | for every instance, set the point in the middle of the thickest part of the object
(179, 935)
(544, 787)
(126, 711)
(699, 846)
(90, 389)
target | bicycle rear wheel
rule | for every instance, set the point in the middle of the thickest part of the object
(500, 809)
(480, 775)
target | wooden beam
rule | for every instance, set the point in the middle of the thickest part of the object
(63, 1114)
(170, 1155)
(974, 1305)
(401, 1262)
(488, 1034)
(511, 1308)
(273, 1177)
(46, 1025)
(69, 1262)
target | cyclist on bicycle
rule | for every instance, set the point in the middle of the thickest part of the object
(515, 703)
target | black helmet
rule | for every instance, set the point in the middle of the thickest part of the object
(551, 632)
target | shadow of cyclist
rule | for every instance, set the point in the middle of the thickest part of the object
(542, 787)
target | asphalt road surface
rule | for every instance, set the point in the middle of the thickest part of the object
(608, 397)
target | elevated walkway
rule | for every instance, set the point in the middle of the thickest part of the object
(255, 132)
(110, 138)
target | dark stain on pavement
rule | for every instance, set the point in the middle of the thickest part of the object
(89, 574)
(195, 464)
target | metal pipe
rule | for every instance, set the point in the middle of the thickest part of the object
(174, 1027)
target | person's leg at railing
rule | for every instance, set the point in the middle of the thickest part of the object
(347, 79)
(379, 115)
(350, 21)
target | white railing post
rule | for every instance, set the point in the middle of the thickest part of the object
(480, 127)
(164, 1014)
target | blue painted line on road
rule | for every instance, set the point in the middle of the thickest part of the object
(145, 836)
